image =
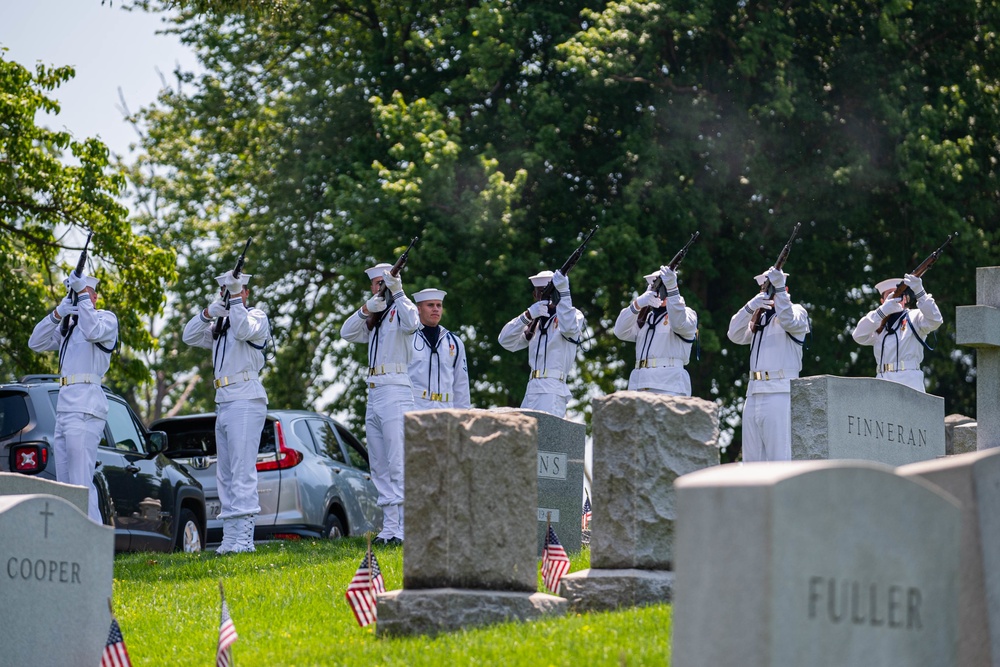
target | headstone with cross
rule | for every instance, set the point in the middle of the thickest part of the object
(978, 326)
(56, 571)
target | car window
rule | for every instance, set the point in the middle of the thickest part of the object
(124, 431)
(359, 457)
(13, 413)
(54, 399)
(326, 439)
(267, 440)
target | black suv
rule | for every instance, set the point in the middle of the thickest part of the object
(152, 503)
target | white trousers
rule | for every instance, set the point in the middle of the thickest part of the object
(550, 403)
(75, 445)
(238, 426)
(767, 427)
(384, 428)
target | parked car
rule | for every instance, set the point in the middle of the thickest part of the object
(313, 478)
(153, 503)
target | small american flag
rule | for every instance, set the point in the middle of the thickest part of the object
(227, 636)
(587, 514)
(115, 654)
(555, 562)
(361, 591)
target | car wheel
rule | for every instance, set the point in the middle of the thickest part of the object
(189, 536)
(332, 528)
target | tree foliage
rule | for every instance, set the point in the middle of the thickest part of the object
(52, 189)
(500, 131)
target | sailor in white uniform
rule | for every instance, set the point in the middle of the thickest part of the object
(438, 369)
(390, 393)
(663, 342)
(238, 353)
(899, 347)
(775, 359)
(84, 357)
(552, 348)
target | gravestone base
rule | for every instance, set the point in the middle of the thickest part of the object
(609, 589)
(429, 611)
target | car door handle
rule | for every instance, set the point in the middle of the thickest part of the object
(132, 469)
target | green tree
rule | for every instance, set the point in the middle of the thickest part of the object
(52, 188)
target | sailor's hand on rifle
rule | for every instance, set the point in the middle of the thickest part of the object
(891, 307)
(538, 309)
(217, 309)
(914, 283)
(776, 278)
(394, 283)
(234, 285)
(759, 301)
(66, 308)
(561, 283)
(75, 282)
(648, 299)
(668, 277)
(376, 304)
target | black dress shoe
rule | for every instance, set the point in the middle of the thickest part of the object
(396, 542)
(383, 541)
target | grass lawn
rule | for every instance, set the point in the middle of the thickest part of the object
(287, 601)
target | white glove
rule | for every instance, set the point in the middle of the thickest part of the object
(66, 308)
(217, 309)
(539, 309)
(648, 299)
(376, 304)
(760, 301)
(669, 277)
(560, 282)
(892, 306)
(234, 285)
(394, 283)
(914, 283)
(776, 278)
(75, 282)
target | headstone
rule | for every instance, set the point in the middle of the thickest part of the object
(471, 497)
(561, 446)
(816, 563)
(974, 479)
(642, 443)
(979, 327)
(57, 572)
(964, 439)
(16, 484)
(954, 438)
(865, 418)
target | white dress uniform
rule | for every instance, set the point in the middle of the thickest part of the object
(775, 359)
(899, 349)
(241, 409)
(551, 351)
(390, 395)
(438, 368)
(662, 344)
(82, 408)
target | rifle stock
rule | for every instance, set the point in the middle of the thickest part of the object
(767, 287)
(374, 319)
(918, 272)
(81, 264)
(222, 323)
(549, 292)
(661, 291)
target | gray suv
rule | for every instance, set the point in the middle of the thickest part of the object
(152, 503)
(313, 478)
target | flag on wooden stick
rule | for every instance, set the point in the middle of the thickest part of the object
(555, 562)
(361, 591)
(115, 654)
(227, 635)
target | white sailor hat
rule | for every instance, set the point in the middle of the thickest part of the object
(541, 279)
(226, 277)
(90, 280)
(650, 277)
(429, 294)
(377, 271)
(887, 284)
(763, 276)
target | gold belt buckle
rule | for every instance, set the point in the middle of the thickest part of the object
(644, 363)
(222, 382)
(63, 381)
(372, 385)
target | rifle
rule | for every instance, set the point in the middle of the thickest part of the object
(222, 323)
(549, 292)
(374, 319)
(78, 271)
(767, 287)
(919, 271)
(661, 291)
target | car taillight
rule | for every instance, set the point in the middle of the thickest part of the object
(285, 458)
(29, 459)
